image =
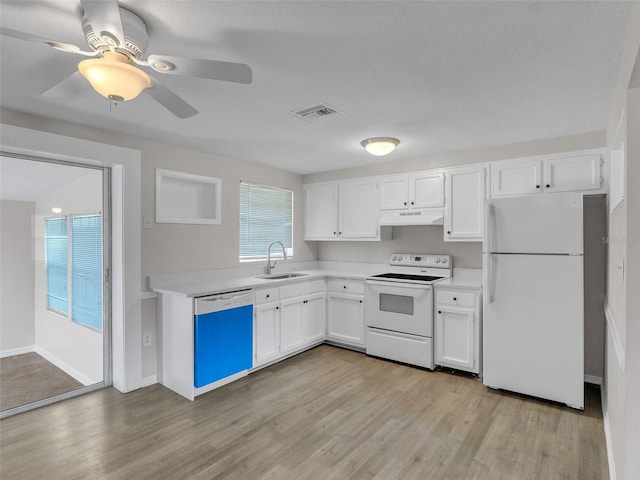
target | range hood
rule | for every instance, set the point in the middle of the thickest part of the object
(413, 217)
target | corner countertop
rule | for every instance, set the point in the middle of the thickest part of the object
(463, 278)
(200, 284)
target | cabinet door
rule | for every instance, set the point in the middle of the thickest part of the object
(321, 211)
(266, 334)
(464, 208)
(358, 212)
(516, 177)
(313, 319)
(426, 189)
(572, 173)
(290, 325)
(345, 322)
(394, 192)
(454, 338)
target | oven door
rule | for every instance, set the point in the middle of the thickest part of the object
(399, 307)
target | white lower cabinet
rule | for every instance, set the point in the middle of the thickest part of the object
(345, 311)
(288, 319)
(457, 328)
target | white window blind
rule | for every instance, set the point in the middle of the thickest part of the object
(56, 263)
(78, 239)
(266, 216)
(86, 270)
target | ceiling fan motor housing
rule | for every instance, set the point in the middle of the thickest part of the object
(135, 35)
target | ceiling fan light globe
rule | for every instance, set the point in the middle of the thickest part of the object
(380, 146)
(113, 77)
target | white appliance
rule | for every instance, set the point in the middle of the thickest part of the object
(533, 305)
(399, 308)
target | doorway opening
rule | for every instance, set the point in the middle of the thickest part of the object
(55, 315)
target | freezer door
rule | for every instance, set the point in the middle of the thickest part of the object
(533, 326)
(544, 224)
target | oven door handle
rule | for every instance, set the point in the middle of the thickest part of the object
(416, 286)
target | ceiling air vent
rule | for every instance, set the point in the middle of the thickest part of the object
(317, 113)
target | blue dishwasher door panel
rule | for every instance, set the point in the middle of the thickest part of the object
(223, 344)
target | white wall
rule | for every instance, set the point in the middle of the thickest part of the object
(75, 348)
(17, 328)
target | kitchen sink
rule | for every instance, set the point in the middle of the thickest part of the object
(281, 276)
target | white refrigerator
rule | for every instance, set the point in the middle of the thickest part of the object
(533, 336)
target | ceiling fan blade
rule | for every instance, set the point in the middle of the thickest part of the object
(67, 88)
(64, 47)
(170, 100)
(104, 18)
(192, 67)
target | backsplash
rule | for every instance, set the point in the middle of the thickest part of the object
(406, 239)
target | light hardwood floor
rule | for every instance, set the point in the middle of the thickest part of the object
(28, 378)
(327, 414)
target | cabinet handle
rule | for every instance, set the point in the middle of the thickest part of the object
(412, 203)
(344, 286)
(339, 233)
(537, 186)
(360, 301)
(448, 232)
(455, 299)
(268, 295)
(439, 312)
(547, 185)
(277, 308)
(405, 203)
(335, 233)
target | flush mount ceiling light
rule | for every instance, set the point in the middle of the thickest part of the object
(114, 77)
(380, 146)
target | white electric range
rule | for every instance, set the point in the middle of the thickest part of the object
(399, 308)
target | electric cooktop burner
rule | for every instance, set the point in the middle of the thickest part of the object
(403, 276)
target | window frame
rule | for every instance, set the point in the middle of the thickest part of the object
(277, 252)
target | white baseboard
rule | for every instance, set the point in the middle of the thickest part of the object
(17, 351)
(68, 369)
(607, 433)
(150, 380)
(593, 379)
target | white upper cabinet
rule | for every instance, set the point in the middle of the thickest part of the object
(358, 215)
(414, 190)
(346, 210)
(569, 172)
(464, 208)
(321, 211)
(573, 173)
(516, 177)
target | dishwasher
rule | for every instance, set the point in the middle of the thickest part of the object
(223, 336)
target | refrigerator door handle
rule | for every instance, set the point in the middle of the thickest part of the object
(489, 226)
(490, 278)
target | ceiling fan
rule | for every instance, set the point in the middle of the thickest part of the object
(118, 40)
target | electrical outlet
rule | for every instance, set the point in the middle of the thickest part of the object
(146, 340)
(147, 221)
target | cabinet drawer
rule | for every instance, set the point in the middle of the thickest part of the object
(346, 286)
(265, 295)
(458, 299)
(293, 290)
(314, 286)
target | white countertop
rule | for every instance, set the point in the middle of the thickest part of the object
(199, 284)
(463, 278)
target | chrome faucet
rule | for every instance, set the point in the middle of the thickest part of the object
(269, 266)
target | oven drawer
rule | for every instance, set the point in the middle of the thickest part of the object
(345, 285)
(400, 347)
(455, 298)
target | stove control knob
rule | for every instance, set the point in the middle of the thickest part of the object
(438, 260)
(444, 260)
(393, 259)
(400, 258)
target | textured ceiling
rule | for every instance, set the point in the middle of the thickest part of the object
(440, 76)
